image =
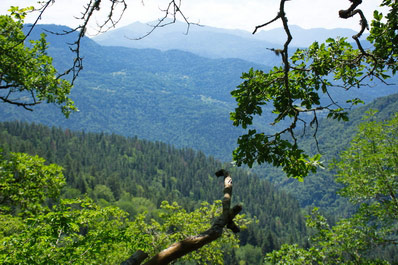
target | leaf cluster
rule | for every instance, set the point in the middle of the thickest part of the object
(26, 183)
(79, 231)
(27, 74)
(368, 169)
(297, 88)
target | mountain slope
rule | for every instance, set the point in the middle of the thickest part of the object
(174, 96)
(333, 137)
(111, 168)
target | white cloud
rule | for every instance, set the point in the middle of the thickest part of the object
(242, 14)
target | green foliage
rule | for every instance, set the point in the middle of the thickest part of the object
(248, 255)
(293, 254)
(369, 172)
(350, 241)
(74, 231)
(368, 169)
(297, 88)
(142, 174)
(80, 232)
(384, 37)
(177, 224)
(27, 75)
(136, 205)
(26, 182)
(259, 88)
(319, 190)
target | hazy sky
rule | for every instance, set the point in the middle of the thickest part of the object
(233, 14)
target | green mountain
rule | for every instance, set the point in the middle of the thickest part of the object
(137, 175)
(173, 96)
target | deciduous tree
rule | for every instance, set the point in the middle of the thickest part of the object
(368, 169)
(27, 76)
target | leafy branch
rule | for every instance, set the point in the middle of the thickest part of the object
(296, 87)
(192, 243)
(27, 76)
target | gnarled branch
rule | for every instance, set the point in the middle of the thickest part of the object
(192, 243)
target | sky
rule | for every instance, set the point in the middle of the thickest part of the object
(231, 14)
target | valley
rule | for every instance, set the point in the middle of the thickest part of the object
(154, 124)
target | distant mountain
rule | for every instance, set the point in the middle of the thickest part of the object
(174, 97)
(216, 42)
(203, 41)
(304, 37)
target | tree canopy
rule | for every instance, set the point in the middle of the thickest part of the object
(368, 169)
(38, 227)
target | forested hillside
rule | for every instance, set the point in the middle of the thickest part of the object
(137, 175)
(333, 137)
(174, 97)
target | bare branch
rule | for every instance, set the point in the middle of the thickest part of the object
(278, 16)
(26, 106)
(173, 10)
(110, 18)
(41, 10)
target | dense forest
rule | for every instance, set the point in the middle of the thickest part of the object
(137, 175)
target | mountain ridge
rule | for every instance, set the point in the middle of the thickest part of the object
(215, 42)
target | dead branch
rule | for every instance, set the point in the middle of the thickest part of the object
(352, 11)
(172, 10)
(192, 243)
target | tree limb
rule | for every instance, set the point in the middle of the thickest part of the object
(192, 243)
